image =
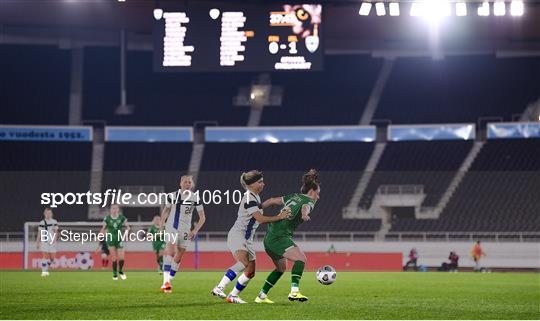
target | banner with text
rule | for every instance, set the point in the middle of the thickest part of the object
(46, 133)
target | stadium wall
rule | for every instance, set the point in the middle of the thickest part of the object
(139, 260)
(361, 256)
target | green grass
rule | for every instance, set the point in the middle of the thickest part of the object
(94, 295)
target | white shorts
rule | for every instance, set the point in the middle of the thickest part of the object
(236, 241)
(182, 237)
(46, 247)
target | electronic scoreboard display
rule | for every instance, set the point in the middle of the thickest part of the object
(240, 37)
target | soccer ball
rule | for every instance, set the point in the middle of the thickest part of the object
(326, 275)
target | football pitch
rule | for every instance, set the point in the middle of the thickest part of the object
(355, 295)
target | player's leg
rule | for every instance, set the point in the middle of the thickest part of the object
(114, 261)
(244, 278)
(242, 257)
(271, 280)
(228, 277)
(120, 252)
(159, 259)
(104, 259)
(44, 262)
(296, 255)
(239, 250)
(52, 256)
(175, 265)
(167, 262)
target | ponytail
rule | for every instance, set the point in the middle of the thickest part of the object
(250, 177)
(310, 181)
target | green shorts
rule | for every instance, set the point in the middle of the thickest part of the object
(275, 247)
(115, 243)
(158, 246)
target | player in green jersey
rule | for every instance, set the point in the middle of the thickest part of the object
(158, 244)
(113, 224)
(278, 240)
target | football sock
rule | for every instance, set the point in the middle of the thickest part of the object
(231, 273)
(241, 284)
(174, 268)
(114, 266)
(44, 265)
(167, 268)
(296, 275)
(271, 280)
(160, 262)
(121, 266)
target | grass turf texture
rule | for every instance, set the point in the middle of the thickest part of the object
(94, 295)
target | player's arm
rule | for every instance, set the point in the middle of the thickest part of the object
(274, 201)
(126, 225)
(166, 211)
(306, 209)
(38, 238)
(56, 233)
(199, 225)
(283, 214)
(103, 228)
(164, 215)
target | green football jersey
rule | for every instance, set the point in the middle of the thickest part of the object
(154, 230)
(287, 226)
(114, 225)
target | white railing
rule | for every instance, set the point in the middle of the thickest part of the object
(400, 189)
(359, 236)
(464, 236)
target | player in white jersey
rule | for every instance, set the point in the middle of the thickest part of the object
(177, 216)
(240, 237)
(46, 240)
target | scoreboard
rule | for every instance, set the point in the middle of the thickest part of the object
(240, 37)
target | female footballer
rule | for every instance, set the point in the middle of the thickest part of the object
(114, 224)
(240, 237)
(278, 240)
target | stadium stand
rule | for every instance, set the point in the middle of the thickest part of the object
(28, 84)
(101, 83)
(335, 96)
(28, 169)
(498, 194)
(146, 165)
(284, 165)
(459, 89)
(178, 99)
(428, 163)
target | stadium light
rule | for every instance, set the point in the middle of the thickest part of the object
(365, 8)
(380, 9)
(499, 8)
(461, 9)
(483, 9)
(516, 8)
(394, 9)
(158, 13)
(435, 9)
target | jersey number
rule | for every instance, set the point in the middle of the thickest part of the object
(289, 204)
